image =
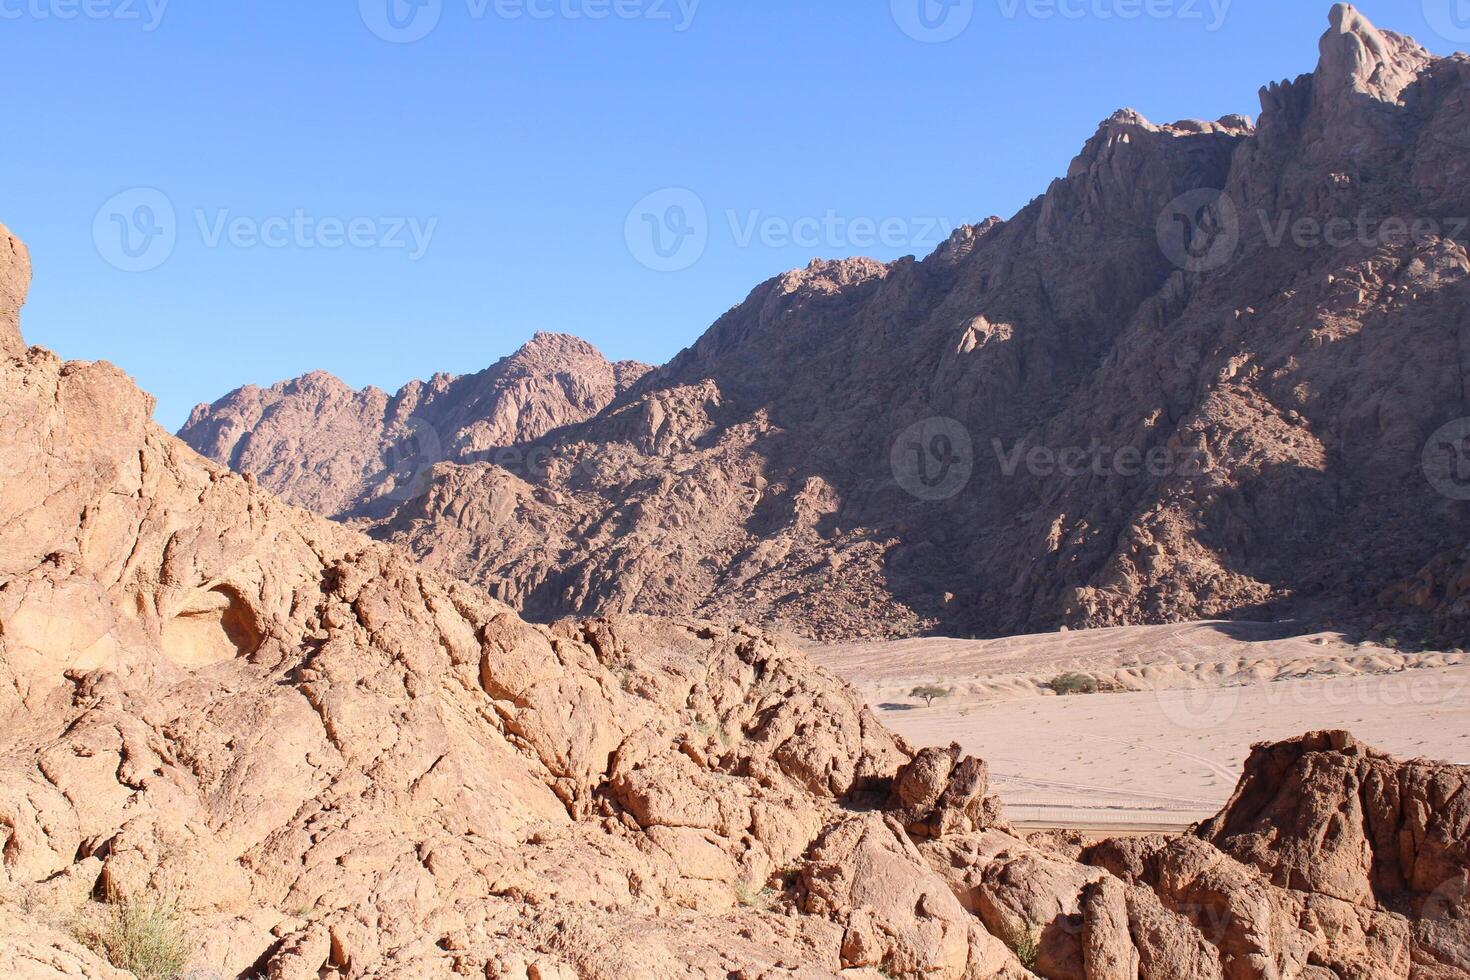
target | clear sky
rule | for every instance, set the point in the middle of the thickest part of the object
(218, 193)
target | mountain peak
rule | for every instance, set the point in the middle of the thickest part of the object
(318, 379)
(1357, 57)
(327, 447)
(545, 342)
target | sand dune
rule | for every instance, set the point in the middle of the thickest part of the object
(1187, 702)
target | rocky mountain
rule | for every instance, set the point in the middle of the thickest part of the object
(1206, 374)
(270, 746)
(320, 444)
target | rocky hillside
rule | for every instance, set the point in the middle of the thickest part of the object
(1198, 377)
(279, 748)
(320, 444)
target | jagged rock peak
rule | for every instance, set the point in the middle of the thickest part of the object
(15, 282)
(1358, 57)
(962, 241)
(1125, 125)
(829, 275)
(544, 341)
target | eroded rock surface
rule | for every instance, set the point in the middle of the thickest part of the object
(340, 764)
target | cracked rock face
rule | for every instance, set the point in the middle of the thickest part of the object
(340, 762)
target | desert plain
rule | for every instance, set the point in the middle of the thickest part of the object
(1177, 710)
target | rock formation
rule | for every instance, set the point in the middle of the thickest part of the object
(1196, 378)
(338, 764)
(15, 280)
(315, 759)
(321, 445)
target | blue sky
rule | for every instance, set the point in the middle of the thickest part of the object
(225, 193)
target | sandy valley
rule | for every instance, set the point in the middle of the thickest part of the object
(1181, 707)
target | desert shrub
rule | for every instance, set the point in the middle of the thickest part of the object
(930, 693)
(144, 936)
(1026, 944)
(759, 899)
(1066, 684)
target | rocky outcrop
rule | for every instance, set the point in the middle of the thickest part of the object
(336, 760)
(941, 793)
(320, 444)
(15, 280)
(861, 872)
(1345, 861)
(1327, 815)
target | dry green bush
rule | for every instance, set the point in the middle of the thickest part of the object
(146, 936)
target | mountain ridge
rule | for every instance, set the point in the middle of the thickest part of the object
(334, 449)
(768, 469)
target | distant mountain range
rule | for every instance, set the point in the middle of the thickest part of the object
(1214, 371)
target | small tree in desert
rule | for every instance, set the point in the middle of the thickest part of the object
(929, 693)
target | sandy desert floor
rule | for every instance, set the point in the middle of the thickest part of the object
(1165, 748)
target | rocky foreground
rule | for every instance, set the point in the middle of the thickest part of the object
(331, 763)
